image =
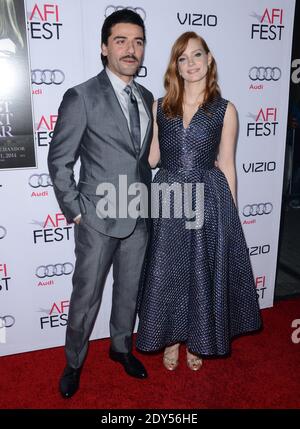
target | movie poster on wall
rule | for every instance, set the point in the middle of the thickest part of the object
(17, 147)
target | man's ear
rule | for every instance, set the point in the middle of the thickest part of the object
(104, 50)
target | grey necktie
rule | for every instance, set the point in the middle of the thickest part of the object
(134, 119)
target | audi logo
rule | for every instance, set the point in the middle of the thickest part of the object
(3, 232)
(257, 209)
(54, 270)
(110, 9)
(142, 72)
(47, 77)
(265, 73)
(40, 180)
(7, 321)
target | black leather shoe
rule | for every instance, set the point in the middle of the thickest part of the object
(131, 364)
(69, 382)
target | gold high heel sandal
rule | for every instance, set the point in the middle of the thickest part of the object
(171, 357)
(194, 362)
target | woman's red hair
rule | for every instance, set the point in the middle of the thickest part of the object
(174, 84)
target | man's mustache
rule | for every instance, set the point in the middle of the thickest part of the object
(129, 57)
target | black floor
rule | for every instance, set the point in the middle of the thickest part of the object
(288, 269)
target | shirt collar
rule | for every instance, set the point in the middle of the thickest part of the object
(117, 83)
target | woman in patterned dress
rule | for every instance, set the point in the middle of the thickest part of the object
(198, 287)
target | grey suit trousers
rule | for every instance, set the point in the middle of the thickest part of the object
(95, 253)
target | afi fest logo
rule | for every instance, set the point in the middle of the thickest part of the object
(54, 228)
(44, 130)
(56, 317)
(260, 283)
(264, 124)
(44, 22)
(270, 25)
(4, 277)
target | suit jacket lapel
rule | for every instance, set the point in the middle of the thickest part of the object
(114, 105)
(149, 113)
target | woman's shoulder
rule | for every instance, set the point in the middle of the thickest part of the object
(220, 101)
(158, 104)
(220, 107)
(227, 110)
(228, 106)
(224, 104)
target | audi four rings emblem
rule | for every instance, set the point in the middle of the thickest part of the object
(47, 77)
(142, 72)
(265, 73)
(40, 180)
(54, 270)
(110, 9)
(257, 209)
(3, 232)
(7, 321)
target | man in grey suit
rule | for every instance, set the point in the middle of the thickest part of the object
(107, 122)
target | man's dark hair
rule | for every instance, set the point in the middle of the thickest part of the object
(123, 16)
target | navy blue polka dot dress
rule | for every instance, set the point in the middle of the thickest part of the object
(197, 286)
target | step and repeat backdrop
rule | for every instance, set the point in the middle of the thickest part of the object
(56, 46)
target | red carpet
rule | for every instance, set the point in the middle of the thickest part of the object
(263, 372)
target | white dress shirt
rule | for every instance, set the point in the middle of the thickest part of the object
(118, 86)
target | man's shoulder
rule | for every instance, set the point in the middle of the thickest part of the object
(89, 86)
(86, 86)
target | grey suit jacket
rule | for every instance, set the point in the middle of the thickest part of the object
(91, 125)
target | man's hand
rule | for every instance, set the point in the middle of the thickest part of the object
(77, 219)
